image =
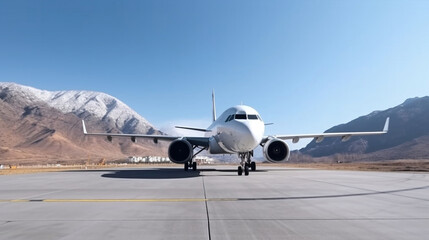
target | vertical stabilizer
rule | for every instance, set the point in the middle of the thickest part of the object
(214, 106)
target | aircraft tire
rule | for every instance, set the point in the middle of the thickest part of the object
(240, 171)
(186, 166)
(253, 166)
(246, 171)
(194, 166)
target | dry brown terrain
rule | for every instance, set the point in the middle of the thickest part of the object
(33, 133)
(53, 168)
(386, 166)
(38, 169)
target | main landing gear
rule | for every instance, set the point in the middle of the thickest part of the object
(246, 163)
(191, 163)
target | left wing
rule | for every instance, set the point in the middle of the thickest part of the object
(197, 141)
(320, 136)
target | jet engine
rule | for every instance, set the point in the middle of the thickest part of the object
(180, 151)
(276, 150)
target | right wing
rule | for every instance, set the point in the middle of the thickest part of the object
(320, 136)
(198, 141)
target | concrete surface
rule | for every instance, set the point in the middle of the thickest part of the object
(214, 203)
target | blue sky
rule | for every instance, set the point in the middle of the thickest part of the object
(304, 65)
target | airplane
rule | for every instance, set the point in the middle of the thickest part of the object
(238, 130)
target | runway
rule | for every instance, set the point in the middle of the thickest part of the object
(214, 203)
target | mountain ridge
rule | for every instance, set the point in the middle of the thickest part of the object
(43, 126)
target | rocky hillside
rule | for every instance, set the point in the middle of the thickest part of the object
(408, 135)
(44, 126)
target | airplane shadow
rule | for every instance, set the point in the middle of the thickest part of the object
(165, 173)
(172, 173)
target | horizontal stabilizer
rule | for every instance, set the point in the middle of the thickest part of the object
(194, 129)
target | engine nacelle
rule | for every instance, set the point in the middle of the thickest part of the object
(276, 150)
(180, 151)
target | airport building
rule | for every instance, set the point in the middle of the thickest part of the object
(149, 159)
(156, 159)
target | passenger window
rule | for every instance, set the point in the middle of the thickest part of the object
(252, 117)
(240, 116)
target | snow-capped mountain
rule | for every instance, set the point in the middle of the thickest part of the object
(40, 126)
(99, 105)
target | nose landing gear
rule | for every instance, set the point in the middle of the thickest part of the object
(246, 163)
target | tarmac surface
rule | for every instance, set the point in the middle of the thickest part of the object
(214, 203)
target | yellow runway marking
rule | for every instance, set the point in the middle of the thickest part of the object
(19, 200)
(126, 200)
(117, 200)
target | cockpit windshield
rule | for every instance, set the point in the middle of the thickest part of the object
(242, 117)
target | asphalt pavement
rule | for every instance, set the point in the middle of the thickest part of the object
(214, 203)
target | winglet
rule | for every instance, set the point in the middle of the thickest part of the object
(214, 105)
(386, 125)
(84, 127)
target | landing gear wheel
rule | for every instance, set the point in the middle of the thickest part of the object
(246, 162)
(240, 171)
(194, 166)
(253, 166)
(186, 166)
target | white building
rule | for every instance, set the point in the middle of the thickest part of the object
(157, 159)
(149, 159)
(204, 160)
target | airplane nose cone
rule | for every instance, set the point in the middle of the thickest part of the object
(249, 138)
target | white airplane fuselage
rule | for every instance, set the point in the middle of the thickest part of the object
(239, 129)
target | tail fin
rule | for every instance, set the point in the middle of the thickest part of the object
(214, 106)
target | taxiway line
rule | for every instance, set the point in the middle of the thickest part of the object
(118, 200)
